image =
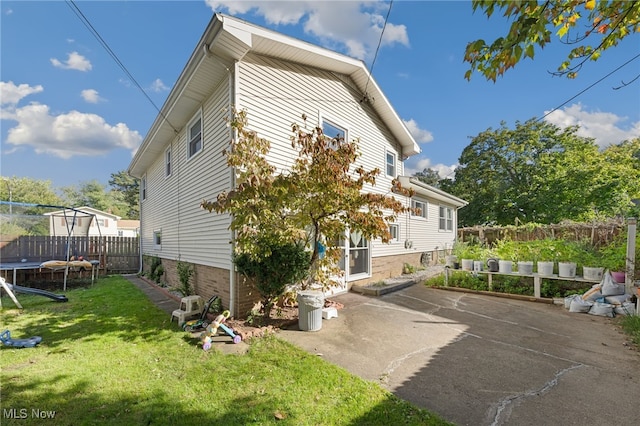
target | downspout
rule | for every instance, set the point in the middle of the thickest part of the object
(234, 302)
(139, 232)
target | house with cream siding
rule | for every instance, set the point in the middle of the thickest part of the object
(276, 79)
(102, 223)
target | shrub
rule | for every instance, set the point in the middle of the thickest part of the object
(287, 264)
(185, 271)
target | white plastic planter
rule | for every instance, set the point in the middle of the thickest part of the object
(525, 268)
(590, 273)
(545, 269)
(566, 269)
(467, 264)
(477, 265)
(505, 266)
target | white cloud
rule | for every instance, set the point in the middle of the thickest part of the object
(64, 135)
(351, 26)
(605, 127)
(419, 163)
(91, 96)
(10, 94)
(420, 135)
(75, 61)
(158, 86)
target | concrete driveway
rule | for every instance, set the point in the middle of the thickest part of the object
(483, 360)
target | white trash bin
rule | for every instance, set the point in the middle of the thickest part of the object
(310, 304)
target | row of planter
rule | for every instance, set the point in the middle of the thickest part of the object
(565, 269)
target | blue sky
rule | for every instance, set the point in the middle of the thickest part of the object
(70, 114)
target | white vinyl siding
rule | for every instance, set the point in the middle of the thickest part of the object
(173, 205)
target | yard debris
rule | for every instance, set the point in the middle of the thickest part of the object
(608, 299)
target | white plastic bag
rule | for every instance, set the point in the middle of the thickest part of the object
(602, 309)
(568, 299)
(610, 287)
(580, 305)
(626, 308)
(617, 300)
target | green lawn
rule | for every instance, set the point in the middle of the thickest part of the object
(109, 356)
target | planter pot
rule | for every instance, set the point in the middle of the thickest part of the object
(525, 268)
(477, 265)
(618, 276)
(545, 269)
(567, 269)
(450, 260)
(493, 265)
(505, 266)
(591, 273)
(467, 264)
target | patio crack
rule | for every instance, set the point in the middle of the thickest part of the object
(506, 404)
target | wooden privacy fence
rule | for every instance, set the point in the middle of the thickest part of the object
(596, 234)
(117, 255)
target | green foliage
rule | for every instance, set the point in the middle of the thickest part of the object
(532, 23)
(126, 188)
(283, 264)
(156, 270)
(408, 269)
(185, 270)
(631, 326)
(469, 250)
(27, 190)
(540, 173)
(429, 176)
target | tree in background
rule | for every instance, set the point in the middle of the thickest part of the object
(313, 203)
(590, 26)
(128, 189)
(94, 194)
(538, 172)
(27, 190)
(428, 176)
(26, 221)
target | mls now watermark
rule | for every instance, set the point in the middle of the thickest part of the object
(24, 413)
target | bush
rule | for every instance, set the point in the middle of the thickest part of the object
(287, 264)
(185, 271)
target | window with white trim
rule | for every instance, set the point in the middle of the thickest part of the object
(445, 219)
(391, 164)
(157, 238)
(394, 231)
(143, 188)
(336, 134)
(167, 162)
(194, 136)
(419, 208)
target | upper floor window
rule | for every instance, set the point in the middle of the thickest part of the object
(194, 136)
(419, 208)
(391, 164)
(446, 219)
(336, 134)
(143, 188)
(167, 162)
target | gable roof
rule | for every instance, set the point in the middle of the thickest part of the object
(228, 39)
(87, 210)
(432, 192)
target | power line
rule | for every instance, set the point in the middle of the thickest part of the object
(111, 53)
(386, 19)
(589, 87)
